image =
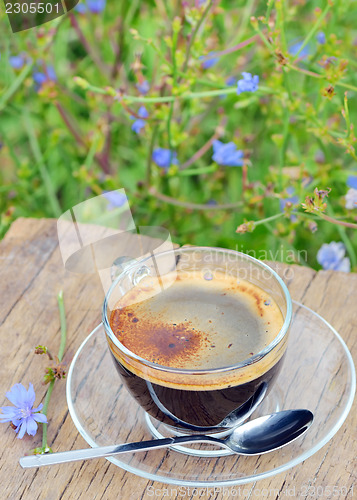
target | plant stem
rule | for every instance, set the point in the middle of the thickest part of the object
(119, 45)
(333, 220)
(346, 86)
(197, 171)
(341, 229)
(89, 49)
(192, 206)
(79, 139)
(194, 33)
(270, 4)
(346, 116)
(279, 5)
(74, 130)
(131, 11)
(263, 39)
(283, 148)
(174, 74)
(169, 118)
(92, 152)
(44, 411)
(337, 221)
(318, 75)
(304, 71)
(313, 29)
(346, 240)
(63, 325)
(170, 98)
(239, 46)
(149, 159)
(269, 219)
(60, 356)
(15, 85)
(203, 149)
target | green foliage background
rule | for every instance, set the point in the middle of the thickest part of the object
(66, 143)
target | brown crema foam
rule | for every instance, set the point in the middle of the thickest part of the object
(199, 322)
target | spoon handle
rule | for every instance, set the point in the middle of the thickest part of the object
(105, 451)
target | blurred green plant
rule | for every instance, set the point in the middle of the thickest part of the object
(150, 96)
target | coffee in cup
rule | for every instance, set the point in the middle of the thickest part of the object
(196, 343)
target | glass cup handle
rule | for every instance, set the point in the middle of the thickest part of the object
(122, 263)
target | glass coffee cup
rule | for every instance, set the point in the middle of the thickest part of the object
(196, 332)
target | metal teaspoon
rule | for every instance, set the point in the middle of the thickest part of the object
(258, 436)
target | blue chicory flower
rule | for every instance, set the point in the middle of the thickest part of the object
(139, 123)
(17, 62)
(164, 158)
(351, 199)
(115, 199)
(352, 181)
(248, 83)
(22, 415)
(96, 6)
(321, 37)
(93, 6)
(143, 87)
(332, 256)
(227, 154)
(295, 47)
(209, 61)
(81, 8)
(49, 75)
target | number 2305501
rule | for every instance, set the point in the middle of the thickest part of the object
(31, 8)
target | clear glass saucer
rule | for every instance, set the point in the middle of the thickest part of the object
(318, 374)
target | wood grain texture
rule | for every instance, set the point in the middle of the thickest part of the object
(32, 273)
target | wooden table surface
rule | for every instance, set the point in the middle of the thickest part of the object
(32, 273)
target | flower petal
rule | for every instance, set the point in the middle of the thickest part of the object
(143, 112)
(39, 408)
(17, 395)
(30, 395)
(6, 419)
(40, 417)
(229, 148)
(17, 422)
(352, 181)
(22, 430)
(217, 145)
(8, 409)
(344, 265)
(9, 413)
(137, 126)
(31, 426)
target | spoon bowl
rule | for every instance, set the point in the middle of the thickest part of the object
(255, 437)
(269, 433)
